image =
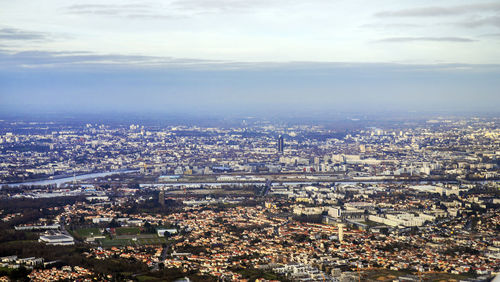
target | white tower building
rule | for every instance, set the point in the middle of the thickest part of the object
(341, 232)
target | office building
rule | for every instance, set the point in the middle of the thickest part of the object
(281, 144)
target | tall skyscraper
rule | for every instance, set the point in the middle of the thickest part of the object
(281, 144)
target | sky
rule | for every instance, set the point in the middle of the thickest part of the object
(250, 55)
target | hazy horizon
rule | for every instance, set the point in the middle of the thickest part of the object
(285, 56)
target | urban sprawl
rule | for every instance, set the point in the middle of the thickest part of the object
(409, 200)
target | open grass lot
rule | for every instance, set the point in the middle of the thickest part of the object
(142, 278)
(444, 277)
(138, 236)
(381, 274)
(127, 230)
(115, 242)
(88, 232)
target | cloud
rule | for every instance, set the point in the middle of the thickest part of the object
(390, 25)
(131, 11)
(92, 61)
(18, 34)
(174, 9)
(436, 11)
(153, 16)
(105, 6)
(491, 20)
(491, 35)
(40, 59)
(106, 9)
(219, 5)
(432, 39)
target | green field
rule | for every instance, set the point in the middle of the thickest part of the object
(445, 276)
(88, 232)
(115, 242)
(127, 230)
(138, 236)
(142, 278)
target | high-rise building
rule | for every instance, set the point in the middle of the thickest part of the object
(341, 232)
(281, 144)
(161, 197)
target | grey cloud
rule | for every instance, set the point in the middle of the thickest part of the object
(17, 34)
(174, 9)
(218, 5)
(412, 39)
(436, 11)
(89, 61)
(492, 21)
(34, 59)
(105, 6)
(390, 25)
(153, 16)
(109, 12)
(143, 11)
(491, 35)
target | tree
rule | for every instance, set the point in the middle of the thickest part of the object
(113, 224)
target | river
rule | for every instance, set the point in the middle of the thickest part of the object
(60, 181)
